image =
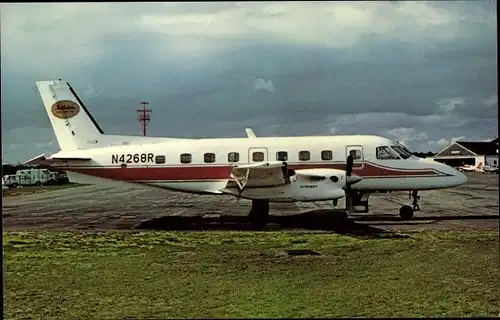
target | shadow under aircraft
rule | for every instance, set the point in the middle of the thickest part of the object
(320, 220)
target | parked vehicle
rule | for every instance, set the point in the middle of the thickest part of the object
(9, 181)
(490, 169)
(31, 177)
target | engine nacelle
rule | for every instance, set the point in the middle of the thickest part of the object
(335, 176)
(316, 185)
(305, 185)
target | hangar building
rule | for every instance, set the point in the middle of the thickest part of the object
(469, 152)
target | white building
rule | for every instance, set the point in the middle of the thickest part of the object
(469, 152)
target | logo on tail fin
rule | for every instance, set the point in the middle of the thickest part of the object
(65, 109)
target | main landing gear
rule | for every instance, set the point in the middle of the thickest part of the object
(359, 199)
(405, 212)
(259, 214)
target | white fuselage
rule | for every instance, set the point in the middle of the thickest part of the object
(202, 173)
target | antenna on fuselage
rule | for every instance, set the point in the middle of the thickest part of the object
(250, 133)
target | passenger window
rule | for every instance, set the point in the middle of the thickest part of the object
(209, 157)
(160, 159)
(233, 157)
(282, 156)
(186, 158)
(258, 156)
(304, 155)
(355, 154)
(326, 155)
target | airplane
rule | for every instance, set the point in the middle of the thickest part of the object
(260, 169)
(490, 169)
(471, 168)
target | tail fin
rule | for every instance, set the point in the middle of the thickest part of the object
(73, 125)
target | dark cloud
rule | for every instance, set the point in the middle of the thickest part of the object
(382, 81)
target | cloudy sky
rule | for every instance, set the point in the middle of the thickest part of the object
(420, 72)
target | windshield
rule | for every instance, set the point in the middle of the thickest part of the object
(402, 151)
(386, 153)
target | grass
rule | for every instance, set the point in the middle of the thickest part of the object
(34, 189)
(248, 274)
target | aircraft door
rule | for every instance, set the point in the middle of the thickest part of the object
(256, 155)
(357, 154)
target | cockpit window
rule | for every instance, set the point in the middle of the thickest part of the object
(402, 151)
(386, 153)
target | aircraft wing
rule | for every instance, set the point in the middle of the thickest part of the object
(42, 160)
(262, 174)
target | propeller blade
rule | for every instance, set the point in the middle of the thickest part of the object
(349, 180)
(349, 164)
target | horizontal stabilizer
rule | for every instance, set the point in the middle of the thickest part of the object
(69, 159)
(42, 160)
(36, 160)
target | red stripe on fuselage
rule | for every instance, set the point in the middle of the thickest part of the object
(223, 172)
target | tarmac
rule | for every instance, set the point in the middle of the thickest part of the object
(472, 206)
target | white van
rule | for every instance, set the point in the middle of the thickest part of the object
(30, 177)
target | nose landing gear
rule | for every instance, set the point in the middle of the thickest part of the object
(414, 194)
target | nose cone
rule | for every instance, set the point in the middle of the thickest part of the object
(353, 179)
(460, 178)
(457, 178)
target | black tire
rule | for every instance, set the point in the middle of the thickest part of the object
(257, 220)
(14, 185)
(259, 214)
(38, 183)
(336, 219)
(406, 212)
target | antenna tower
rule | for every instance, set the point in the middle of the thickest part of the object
(144, 116)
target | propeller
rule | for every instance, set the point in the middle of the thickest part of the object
(347, 188)
(350, 179)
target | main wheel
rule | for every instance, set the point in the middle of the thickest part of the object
(340, 217)
(406, 212)
(259, 214)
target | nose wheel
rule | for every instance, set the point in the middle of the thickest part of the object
(406, 212)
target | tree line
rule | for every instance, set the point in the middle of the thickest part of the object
(424, 154)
